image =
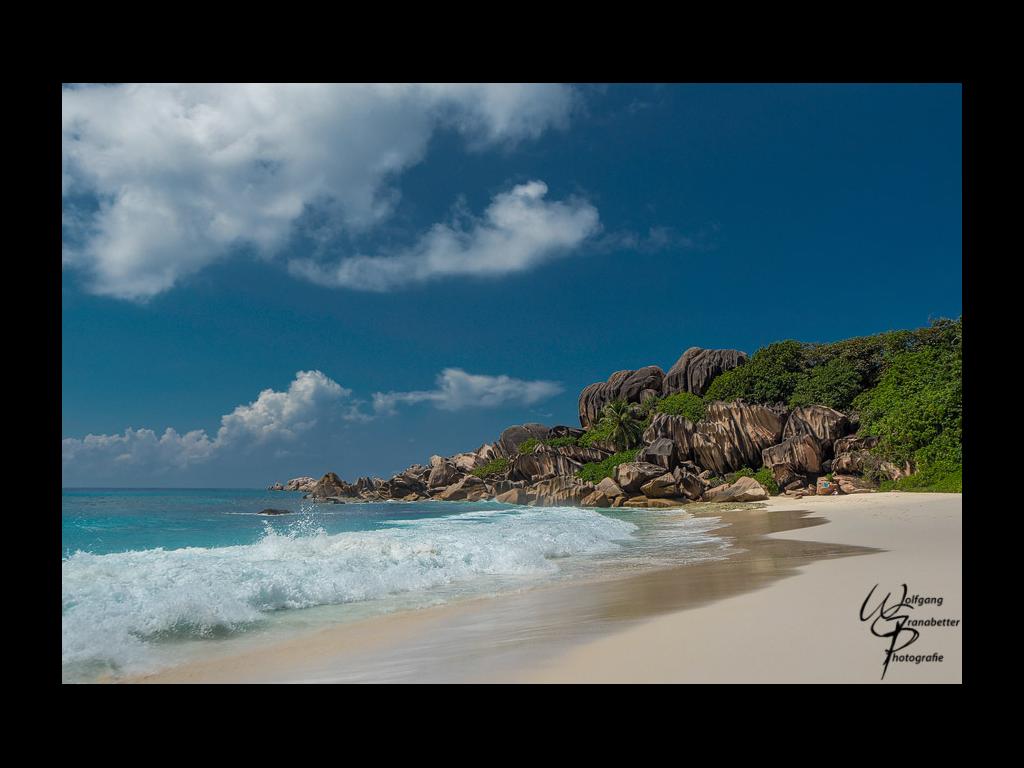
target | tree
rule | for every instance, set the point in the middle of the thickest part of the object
(621, 425)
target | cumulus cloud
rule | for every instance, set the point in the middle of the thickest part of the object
(519, 230)
(456, 390)
(272, 415)
(176, 176)
(275, 419)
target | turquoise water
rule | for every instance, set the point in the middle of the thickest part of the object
(154, 577)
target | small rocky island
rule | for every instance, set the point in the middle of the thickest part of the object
(653, 439)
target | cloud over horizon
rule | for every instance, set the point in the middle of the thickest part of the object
(160, 181)
(275, 418)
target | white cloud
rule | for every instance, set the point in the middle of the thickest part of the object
(273, 415)
(519, 230)
(276, 419)
(184, 173)
(282, 414)
(457, 389)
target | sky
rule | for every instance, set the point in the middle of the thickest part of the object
(263, 282)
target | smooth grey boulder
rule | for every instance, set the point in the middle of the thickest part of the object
(631, 386)
(697, 368)
(633, 474)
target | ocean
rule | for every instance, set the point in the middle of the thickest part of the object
(156, 577)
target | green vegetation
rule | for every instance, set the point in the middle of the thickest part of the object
(917, 413)
(832, 374)
(493, 467)
(596, 471)
(764, 476)
(770, 376)
(905, 387)
(528, 445)
(684, 404)
(835, 384)
(621, 424)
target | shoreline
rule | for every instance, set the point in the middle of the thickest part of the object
(790, 597)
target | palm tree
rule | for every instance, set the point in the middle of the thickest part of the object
(623, 428)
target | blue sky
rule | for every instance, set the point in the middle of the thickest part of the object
(221, 241)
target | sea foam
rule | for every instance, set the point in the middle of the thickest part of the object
(114, 605)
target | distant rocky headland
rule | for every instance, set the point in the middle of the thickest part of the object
(855, 416)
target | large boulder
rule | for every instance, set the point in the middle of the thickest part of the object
(661, 451)
(469, 488)
(510, 440)
(731, 435)
(825, 424)
(662, 487)
(863, 462)
(304, 484)
(854, 443)
(412, 480)
(744, 489)
(631, 386)
(559, 491)
(797, 455)
(851, 484)
(689, 483)
(633, 474)
(443, 473)
(597, 499)
(331, 485)
(545, 461)
(514, 496)
(467, 461)
(695, 370)
(610, 488)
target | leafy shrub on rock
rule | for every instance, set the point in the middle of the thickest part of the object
(770, 376)
(493, 467)
(596, 471)
(684, 404)
(835, 384)
(763, 476)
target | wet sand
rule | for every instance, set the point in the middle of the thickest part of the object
(783, 608)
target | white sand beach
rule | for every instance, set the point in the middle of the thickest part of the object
(785, 608)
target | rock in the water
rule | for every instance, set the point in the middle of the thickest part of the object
(514, 496)
(331, 485)
(276, 487)
(468, 486)
(276, 512)
(744, 489)
(610, 488)
(633, 474)
(694, 371)
(825, 424)
(597, 499)
(630, 386)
